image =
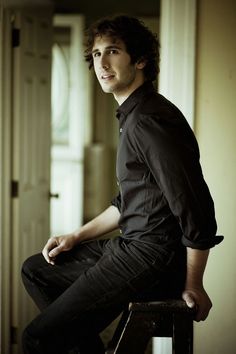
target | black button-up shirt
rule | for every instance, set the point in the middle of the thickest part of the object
(163, 196)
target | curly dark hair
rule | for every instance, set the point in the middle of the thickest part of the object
(140, 42)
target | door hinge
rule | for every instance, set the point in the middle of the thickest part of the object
(14, 189)
(14, 334)
(15, 37)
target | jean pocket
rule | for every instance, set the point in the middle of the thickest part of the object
(142, 280)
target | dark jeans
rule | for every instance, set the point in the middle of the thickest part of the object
(89, 286)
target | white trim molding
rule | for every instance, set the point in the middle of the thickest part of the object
(177, 66)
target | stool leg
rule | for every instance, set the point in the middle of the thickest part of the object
(119, 329)
(182, 334)
(136, 334)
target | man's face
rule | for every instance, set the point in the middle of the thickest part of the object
(113, 67)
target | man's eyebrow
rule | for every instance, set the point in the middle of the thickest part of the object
(94, 51)
(114, 46)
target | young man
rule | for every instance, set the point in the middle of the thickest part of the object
(164, 210)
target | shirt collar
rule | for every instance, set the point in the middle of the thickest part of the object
(128, 105)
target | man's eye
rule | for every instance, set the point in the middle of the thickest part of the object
(97, 54)
(113, 51)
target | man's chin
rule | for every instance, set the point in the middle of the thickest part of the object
(107, 89)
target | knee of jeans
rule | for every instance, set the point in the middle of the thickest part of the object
(34, 342)
(29, 343)
(25, 336)
(30, 265)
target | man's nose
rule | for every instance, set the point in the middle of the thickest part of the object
(104, 62)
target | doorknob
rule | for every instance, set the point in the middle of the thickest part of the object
(53, 195)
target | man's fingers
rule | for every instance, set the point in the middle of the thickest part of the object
(201, 315)
(55, 246)
(55, 251)
(47, 257)
(44, 253)
(50, 245)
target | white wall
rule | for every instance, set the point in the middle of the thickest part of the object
(215, 127)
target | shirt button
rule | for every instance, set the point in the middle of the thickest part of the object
(121, 130)
(117, 182)
(120, 231)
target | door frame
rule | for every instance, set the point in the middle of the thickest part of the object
(5, 173)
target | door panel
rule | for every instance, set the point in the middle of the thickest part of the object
(31, 152)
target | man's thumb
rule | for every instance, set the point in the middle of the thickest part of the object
(189, 300)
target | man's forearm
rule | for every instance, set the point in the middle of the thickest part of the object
(105, 222)
(196, 263)
(194, 293)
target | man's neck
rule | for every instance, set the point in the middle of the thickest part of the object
(122, 96)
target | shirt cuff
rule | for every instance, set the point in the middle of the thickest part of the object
(203, 244)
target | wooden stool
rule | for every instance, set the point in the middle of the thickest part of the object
(144, 320)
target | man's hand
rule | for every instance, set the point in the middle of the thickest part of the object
(56, 245)
(105, 222)
(198, 298)
(194, 293)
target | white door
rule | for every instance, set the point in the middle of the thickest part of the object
(31, 153)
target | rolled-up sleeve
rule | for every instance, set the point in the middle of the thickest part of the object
(117, 202)
(170, 150)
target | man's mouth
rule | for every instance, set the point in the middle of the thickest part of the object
(107, 76)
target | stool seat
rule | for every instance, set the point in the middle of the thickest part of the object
(144, 320)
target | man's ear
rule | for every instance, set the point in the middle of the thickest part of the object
(141, 64)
